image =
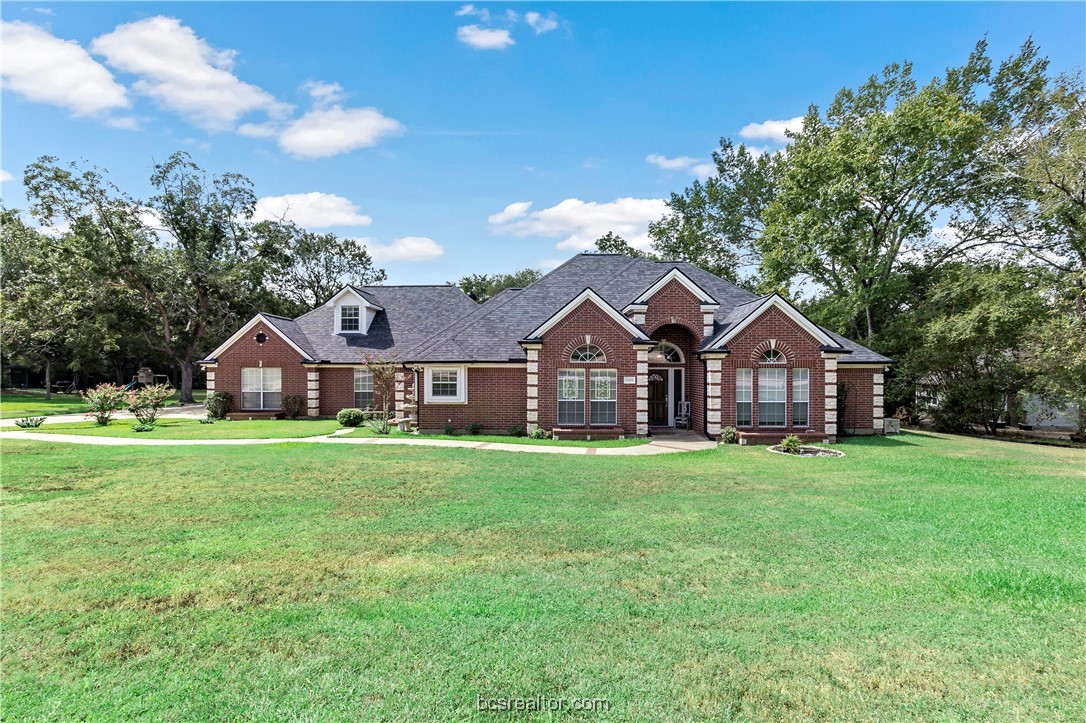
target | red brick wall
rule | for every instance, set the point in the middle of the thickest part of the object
(801, 351)
(567, 335)
(497, 399)
(337, 390)
(858, 402)
(674, 304)
(681, 337)
(247, 353)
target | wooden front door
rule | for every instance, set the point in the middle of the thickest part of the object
(658, 399)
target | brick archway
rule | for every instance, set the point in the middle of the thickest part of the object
(686, 341)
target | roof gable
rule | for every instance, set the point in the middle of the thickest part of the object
(773, 301)
(588, 296)
(255, 321)
(349, 292)
(676, 274)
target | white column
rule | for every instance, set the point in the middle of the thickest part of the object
(713, 378)
(642, 392)
(210, 371)
(830, 396)
(532, 407)
(877, 403)
(400, 392)
(313, 402)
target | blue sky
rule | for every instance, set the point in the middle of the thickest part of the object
(461, 139)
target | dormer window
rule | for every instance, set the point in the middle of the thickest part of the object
(350, 318)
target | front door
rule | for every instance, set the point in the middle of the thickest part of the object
(658, 399)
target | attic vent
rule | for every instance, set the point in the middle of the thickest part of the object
(261, 337)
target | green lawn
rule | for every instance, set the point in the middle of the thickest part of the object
(918, 577)
(366, 431)
(32, 403)
(172, 428)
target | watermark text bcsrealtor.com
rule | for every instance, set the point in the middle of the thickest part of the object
(542, 703)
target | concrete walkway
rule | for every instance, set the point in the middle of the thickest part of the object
(664, 444)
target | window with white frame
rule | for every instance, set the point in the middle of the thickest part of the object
(350, 318)
(744, 397)
(571, 397)
(588, 353)
(801, 397)
(261, 387)
(603, 405)
(665, 353)
(773, 356)
(363, 388)
(446, 385)
(772, 397)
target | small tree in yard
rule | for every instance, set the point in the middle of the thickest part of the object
(103, 401)
(384, 372)
(148, 402)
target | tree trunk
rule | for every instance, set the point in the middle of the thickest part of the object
(118, 370)
(48, 379)
(186, 383)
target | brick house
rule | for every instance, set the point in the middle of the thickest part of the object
(604, 346)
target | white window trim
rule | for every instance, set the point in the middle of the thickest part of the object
(601, 360)
(461, 385)
(585, 394)
(262, 390)
(357, 372)
(750, 402)
(590, 399)
(361, 319)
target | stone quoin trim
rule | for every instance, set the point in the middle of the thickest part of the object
(509, 351)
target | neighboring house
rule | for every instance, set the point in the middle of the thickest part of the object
(605, 345)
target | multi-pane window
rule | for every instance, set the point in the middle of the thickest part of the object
(571, 397)
(603, 405)
(801, 397)
(664, 353)
(772, 397)
(744, 391)
(350, 318)
(588, 353)
(261, 387)
(363, 388)
(445, 383)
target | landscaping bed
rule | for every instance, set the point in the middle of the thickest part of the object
(177, 428)
(366, 431)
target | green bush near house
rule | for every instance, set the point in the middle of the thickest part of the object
(350, 417)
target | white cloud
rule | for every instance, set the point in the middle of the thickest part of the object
(583, 222)
(326, 132)
(5, 176)
(46, 69)
(541, 23)
(311, 210)
(704, 170)
(324, 93)
(680, 163)
(773, 130)
(124, 123)
(183, 73)
(469, 10)
(408, 248)
(484, 38)
(259, 130)
(510, 212)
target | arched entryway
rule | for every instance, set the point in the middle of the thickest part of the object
(675, 382)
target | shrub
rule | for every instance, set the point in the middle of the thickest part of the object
(143, 427)
(350, 417)
(148, 402)
(540, 433)
(516, 431)
(791, 444)
(103, 401)
(449, 430)
(207, 420)
(218, 404)
(729, 435)
(380, 425)
(292, 405)
(473, 428)
(29, 422)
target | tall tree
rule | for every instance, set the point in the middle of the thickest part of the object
(716, 224)
(483, 287)
(187, 250)
(612, 243)
(309, 268)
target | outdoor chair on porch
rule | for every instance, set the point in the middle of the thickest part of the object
(682, 416)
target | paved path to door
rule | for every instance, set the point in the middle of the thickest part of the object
(664, 444)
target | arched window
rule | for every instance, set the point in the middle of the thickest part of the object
(588, 353)
(664, 353)
(773, 356)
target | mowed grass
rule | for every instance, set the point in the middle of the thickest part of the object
(367, 431)
(917, 577)
(174, 428)
(32, 403)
